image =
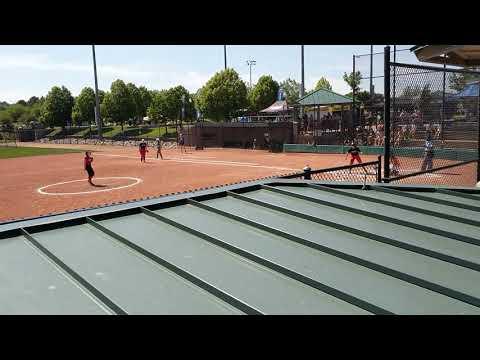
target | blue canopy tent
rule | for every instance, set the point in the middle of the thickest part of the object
(470, 90)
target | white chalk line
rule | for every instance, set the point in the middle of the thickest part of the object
(209, 162)
(41, 189)
(182, 159)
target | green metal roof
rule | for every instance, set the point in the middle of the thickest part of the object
(267, 247)
(324, 97)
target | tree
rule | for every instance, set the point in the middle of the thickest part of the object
(32, 101)
(323, 84)
(146, 99)
(22, 102)
(101, 96)
(5, 118)
(175, 96)
(457, 81)
(263, 93)
(4, 105)
(425, 99)
(223, 95)
(360, 96)
(57, 108)
(118, 103)
(158, 108)
(292, 90)
(353, 80)
(84, 108)
(27, 117)
(137, 100)
(16, 111)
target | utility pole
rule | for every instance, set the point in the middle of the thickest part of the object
(98, 119)
(371, 71)
(225, 55)
(353, 90)
(302, 90)
(251, 63)
(183, 109)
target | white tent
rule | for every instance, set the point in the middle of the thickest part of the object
(277, 107)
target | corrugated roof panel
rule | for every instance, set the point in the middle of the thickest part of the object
(421, 239)
(473, 200)
(267, 291)
(402, 235)
(395, 212)
(136, 285)
(30, 284)
(383, 290)
(344, 276)
(421, 204)
(424, 268)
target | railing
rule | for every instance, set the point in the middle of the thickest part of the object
(368, 172)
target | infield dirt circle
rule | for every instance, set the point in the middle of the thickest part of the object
(82, 187)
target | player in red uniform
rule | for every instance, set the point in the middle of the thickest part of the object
(88, 167)
(143, 150)
(354, 152)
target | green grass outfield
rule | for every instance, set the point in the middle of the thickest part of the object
(116, 131)
(14, 152)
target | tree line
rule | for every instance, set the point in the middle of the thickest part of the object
(224, 96)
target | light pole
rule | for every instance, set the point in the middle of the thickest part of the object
(371, 71)
(225, 55)
(251, 63)
(302, 90)
(98, 120)
(183, 109)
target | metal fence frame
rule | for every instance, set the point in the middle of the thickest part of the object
(307, 174)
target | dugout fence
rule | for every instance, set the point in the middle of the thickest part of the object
(368, 172)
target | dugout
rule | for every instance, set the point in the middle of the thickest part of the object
(239, 134)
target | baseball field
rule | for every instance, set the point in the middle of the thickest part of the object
(41, 179)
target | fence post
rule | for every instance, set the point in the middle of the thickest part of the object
(379, 169)
(386, 115)
(478, 138)
(353, 97)
(307, 173)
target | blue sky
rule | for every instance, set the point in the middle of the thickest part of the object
(32, 70)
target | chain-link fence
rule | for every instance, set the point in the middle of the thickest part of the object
(8, 137)
(458, 174)
(368, 172)
(434, 125)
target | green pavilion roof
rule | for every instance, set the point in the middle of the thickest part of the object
(324, 97)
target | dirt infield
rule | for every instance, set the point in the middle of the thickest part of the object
(41, 185)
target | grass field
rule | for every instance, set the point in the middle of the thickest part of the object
(113, 131)
(14, 152)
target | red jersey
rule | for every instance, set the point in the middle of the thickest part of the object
(88, 161)
(143, 147)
